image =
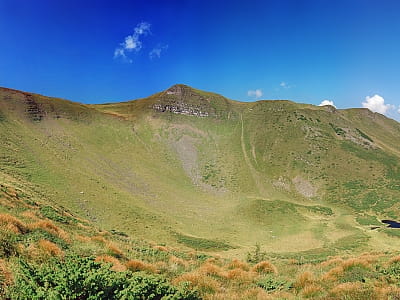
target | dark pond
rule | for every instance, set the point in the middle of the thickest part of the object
(392, 224)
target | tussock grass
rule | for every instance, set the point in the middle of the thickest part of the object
(13, 224)
(137, 265)
(206, 284)
(353, 291)
(100, 239)
(116, 264)
(238, 264)
(49, 248)
(173, 260)
(265, 267)
(304, 279)
(51, 228)
(115, 250)
(161, 248)
(208, 268)
(311, 290)
(395, 259)
(240, 275)
(6, 277)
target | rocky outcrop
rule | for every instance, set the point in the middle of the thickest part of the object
(182, 99)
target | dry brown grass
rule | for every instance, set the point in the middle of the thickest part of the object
(6, 277)
(304, 279)
(173, 260)
(30, 215)
(99, 239)
(82, 238)
(13, 224)
(204, 283)
(247, 294)
(161, 248)
(349, 263)
(332, 261)
(51, 228)
(238, 264)
(161, 267)
(241, 275)
(115, 250)
(311, 290)
(138, 265)
(116, 264)
(387, 292)
(265, 267)
(353, 291)
(395, 259)
(371, 257)
(50, 248)
(333, 274)
(209, 268)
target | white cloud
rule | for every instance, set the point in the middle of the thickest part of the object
(376, 103)
(327, 102)
(398, 110)
(132, 42)
(255, 93)
(156, 52)
(142, 28)
(285, 85)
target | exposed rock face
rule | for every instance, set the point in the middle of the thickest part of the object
(33, 109)
(180, 108)
(304, 187)
(181, 99)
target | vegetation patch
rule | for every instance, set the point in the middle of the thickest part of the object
(201, 243)
(368, 220)
(364, 135)
(83, 278)
(52, 214)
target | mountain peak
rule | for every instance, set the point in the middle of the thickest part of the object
(178, 89)
(183, 99)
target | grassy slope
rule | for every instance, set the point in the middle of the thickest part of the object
(288, 176)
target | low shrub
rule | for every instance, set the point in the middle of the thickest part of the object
(83, 278)
(272, 283)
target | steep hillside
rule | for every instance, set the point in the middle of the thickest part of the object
(196, 170)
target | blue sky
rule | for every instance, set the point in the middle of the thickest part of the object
(307, 51)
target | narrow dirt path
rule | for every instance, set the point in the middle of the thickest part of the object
(254, 173)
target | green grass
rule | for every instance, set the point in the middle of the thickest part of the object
(202, 243)
(368, 220)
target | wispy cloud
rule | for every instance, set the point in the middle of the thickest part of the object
(255, 93)
(285, 85)
(156, 51)
(377, 104)
(132, 42)
(327, 102)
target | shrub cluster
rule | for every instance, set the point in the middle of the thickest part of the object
(83, 278)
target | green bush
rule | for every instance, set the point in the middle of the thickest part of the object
(52, 214)
(83, 278)
(272, 283)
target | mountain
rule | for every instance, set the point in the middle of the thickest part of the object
(169, 195)
(193, 169)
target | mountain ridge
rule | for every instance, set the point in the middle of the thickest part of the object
(185, 87)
